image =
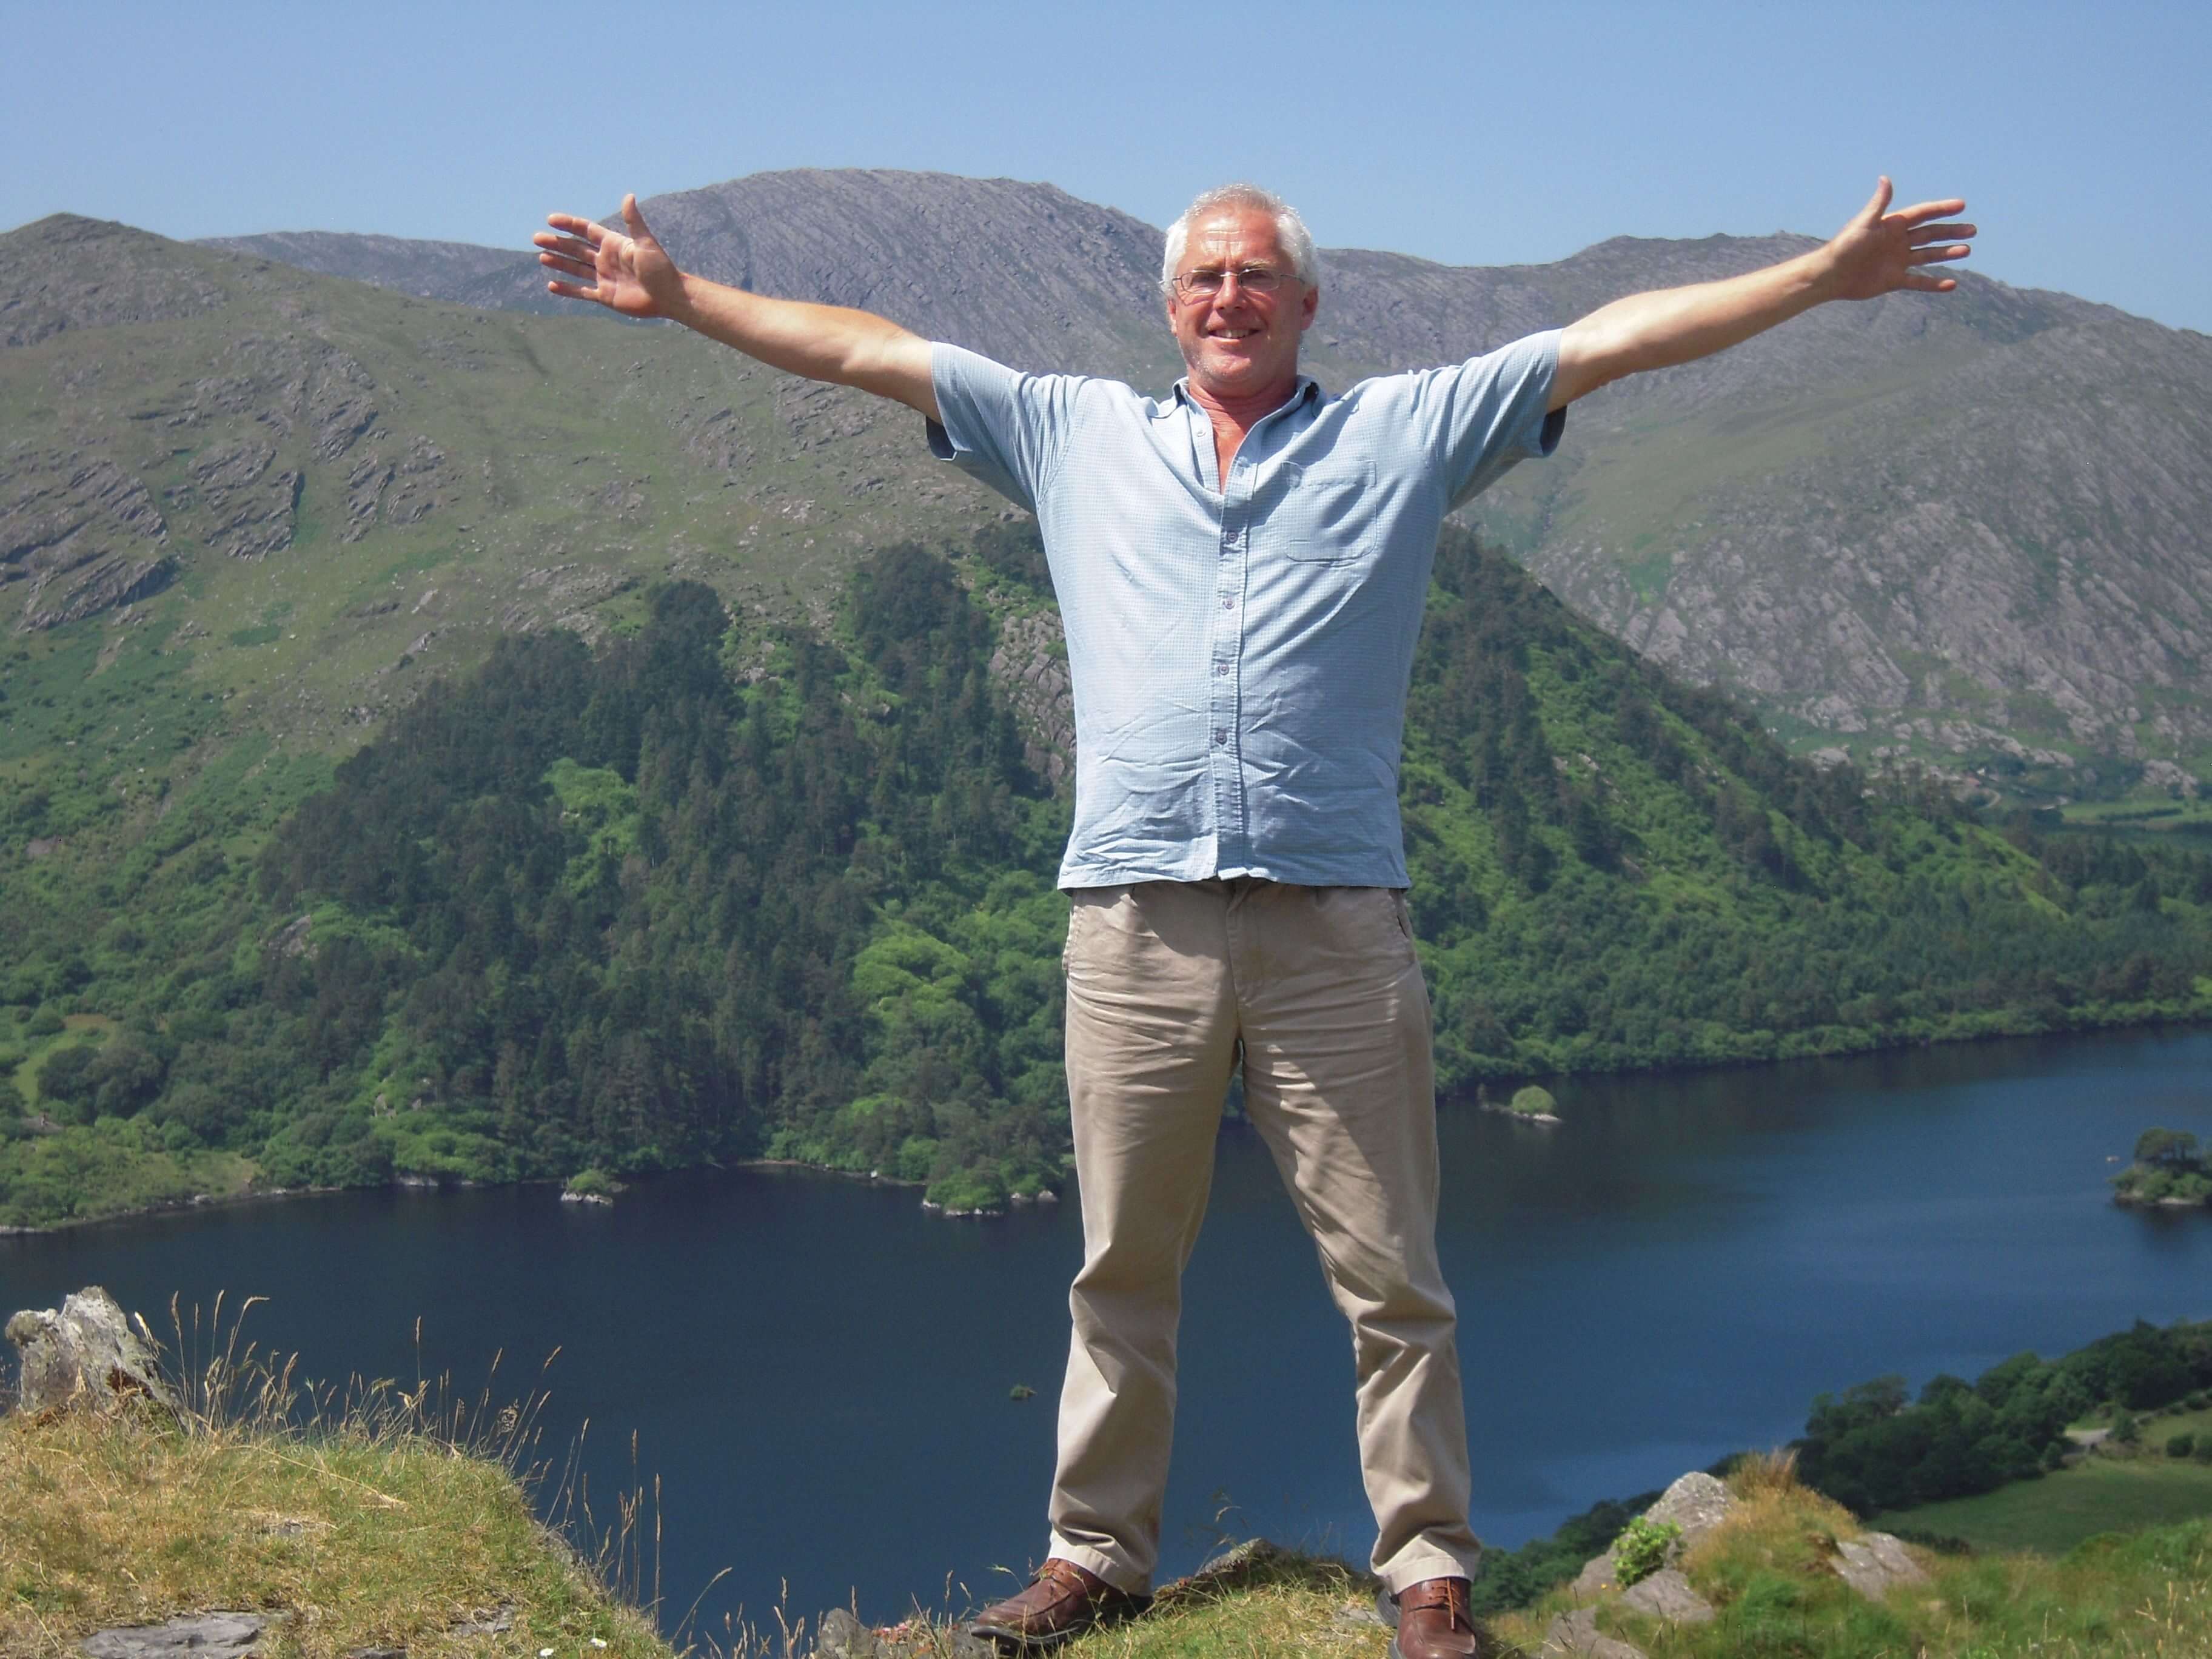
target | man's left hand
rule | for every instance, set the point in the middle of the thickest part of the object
(1880, 251)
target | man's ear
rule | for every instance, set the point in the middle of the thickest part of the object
(1306, 307)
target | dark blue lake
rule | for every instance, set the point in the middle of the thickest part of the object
(818, 1373)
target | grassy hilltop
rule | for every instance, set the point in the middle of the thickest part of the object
(375, 1517)
(367, 1540)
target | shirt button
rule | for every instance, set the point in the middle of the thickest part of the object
(1229, 605)
(1221, 737)
(1221, 669)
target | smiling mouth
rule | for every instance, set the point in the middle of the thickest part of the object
(1231, 333)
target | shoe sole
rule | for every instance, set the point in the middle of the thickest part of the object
(1016, 1641)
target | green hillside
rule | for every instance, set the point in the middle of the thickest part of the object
(731, 888)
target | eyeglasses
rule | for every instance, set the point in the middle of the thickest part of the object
(1205, 282)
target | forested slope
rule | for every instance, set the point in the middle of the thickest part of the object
(726, 889)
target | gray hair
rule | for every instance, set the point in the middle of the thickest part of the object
(1290, 230)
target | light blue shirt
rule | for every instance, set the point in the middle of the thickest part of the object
(1240, 656)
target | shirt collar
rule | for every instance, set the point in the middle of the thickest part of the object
(1306, 390)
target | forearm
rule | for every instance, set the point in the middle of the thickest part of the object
(820, 343)
(1680, 324)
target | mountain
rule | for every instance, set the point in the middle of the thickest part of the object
(475, 744)
(429, 271)
(1965, 529)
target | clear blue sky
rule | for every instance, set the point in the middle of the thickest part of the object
(1470, 133)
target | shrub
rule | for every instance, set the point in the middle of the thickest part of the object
(594, 1183)
(47, 1022)
(2180, 1445)
(2203, 1452)
(1641, 1549)
(968, 1190)
(66, 1083)
(1532, 1101)
(2125, 1429)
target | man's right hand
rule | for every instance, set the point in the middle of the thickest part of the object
(631, 273)
(628, 271)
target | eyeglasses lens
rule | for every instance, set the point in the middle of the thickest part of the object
(1204, 284)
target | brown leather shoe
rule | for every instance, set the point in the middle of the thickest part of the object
(1062, 1600)
(1434, 1622)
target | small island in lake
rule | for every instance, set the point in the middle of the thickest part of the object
(2169, 1172)
(1531, 1104)
(591, 1186)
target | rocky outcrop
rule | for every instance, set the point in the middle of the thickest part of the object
(1875, 1563)
(86, 1355)
(1872, 1563)
(1030, 668)
(1697, 1504)
(81, 531)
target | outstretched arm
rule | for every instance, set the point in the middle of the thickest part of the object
(628, 270)
(1877, 252)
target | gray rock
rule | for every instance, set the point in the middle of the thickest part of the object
(1357, 1616)
(487, 1621)
(1875, 1563)
(1599, 1575)
(85, 1354)
(1667, 1594)
(839, 1635)
(1577, 1634)
(199, 1633)
(1697, 1504)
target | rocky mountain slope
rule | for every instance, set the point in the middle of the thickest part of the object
(329, 483)
(1966, 528)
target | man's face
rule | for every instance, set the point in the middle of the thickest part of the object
(1238, 343)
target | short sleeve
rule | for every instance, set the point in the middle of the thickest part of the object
(1001, 427)
(1488, 413)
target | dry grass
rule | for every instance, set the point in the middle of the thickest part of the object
(371, 1516)
(1765, 1473)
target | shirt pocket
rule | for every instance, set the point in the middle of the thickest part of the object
(1328, 512)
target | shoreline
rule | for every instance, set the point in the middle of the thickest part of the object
(1470, 1094)
(412, 1183)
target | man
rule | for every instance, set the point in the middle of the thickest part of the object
(1240, 570)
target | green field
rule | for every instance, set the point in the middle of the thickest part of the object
(2137, 816)
(2099, 1494)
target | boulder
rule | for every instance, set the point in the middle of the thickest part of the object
(841, 1636)
(236, 1633)
(1575, 1636)
(1875, 1563)
(85, 1354)
(1667, 1594)
(1697, 1503)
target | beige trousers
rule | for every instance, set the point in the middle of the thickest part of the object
(1321, 987)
